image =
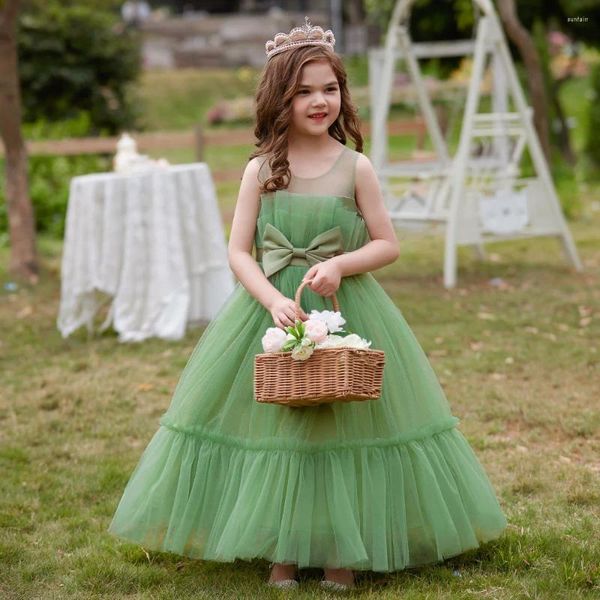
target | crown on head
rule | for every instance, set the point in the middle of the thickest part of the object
(307, 35)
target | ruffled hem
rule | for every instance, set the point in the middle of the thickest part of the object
(384, 505)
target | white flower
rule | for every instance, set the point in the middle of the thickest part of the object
(333, 320)
(274, 339)
(349, 341)
(355, 341)
(331, 341)
(303, 350)
(315, 330)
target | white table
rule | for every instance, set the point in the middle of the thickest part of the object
(153, 242)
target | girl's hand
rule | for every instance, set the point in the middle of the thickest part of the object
(283, 311)
(324, 278)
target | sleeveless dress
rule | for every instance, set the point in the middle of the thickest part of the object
(374, 485)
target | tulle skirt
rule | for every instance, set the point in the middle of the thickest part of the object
(381, 484)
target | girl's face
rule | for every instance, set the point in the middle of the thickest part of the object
(317, 102)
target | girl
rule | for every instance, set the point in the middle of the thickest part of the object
(380, 485)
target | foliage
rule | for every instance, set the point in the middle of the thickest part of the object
(430, 19)
(441, 20)
(74, 58)
(49, 176)
(593, 126)
(97, 5)
(563, 15)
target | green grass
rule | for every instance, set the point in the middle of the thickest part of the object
(180, 99)
(520, 367)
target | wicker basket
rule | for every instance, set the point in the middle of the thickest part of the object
(328, 375)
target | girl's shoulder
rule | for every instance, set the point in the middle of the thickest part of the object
(251, 169)
(363, 166)
(261, 167)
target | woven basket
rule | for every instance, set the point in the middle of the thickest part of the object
(328, 375)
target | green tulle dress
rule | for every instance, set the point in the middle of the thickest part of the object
(379, 485)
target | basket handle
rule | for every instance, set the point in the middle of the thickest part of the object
(334, 300)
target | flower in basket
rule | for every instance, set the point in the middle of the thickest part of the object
(274, 339)
(315, 330)
(333, 320)
(303, 350)
(297, 340)
(349, 341)
(319, 331)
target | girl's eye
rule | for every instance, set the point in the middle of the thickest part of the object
(332, 89)
(303, 92)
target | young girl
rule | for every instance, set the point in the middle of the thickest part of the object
(375, 485)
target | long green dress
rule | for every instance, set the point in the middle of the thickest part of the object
(381, 485)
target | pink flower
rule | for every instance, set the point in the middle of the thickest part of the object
(274, 339)
(314, 330)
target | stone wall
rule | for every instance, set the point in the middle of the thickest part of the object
(216, 40)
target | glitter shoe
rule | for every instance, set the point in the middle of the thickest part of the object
(334, 586)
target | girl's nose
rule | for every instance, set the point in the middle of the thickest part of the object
(318, 99)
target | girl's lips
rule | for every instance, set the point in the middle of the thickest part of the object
(317, 116)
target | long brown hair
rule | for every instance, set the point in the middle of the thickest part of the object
(279, 83)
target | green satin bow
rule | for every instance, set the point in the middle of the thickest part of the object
(278, 252)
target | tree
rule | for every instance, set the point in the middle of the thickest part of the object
(76, 58)
(23, 255)
(535, 77)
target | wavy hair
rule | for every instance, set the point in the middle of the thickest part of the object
(279, 83)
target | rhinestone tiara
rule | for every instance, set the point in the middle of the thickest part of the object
(307, 35)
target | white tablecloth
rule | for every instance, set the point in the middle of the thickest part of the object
(153, 242)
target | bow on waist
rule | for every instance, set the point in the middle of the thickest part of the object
(277, 251)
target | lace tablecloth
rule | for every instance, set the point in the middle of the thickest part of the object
(152, 243)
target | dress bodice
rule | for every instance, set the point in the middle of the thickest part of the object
(313, 206)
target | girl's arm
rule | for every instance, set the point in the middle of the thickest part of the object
(241, 240)
(383, 247)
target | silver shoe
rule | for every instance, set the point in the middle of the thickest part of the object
(284, 584)
(334, 586)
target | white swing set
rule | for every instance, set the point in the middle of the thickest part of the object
(480, 193)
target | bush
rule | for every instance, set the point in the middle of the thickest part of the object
(50, 176)
(592, 146)
(74, 58)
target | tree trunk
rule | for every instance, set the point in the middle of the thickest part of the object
(23, 255)
(524, 42)
(563, 136)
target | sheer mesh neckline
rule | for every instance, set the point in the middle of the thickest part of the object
(337, 181)
(275, 193)
(335, 162)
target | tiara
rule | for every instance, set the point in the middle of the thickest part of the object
(307, 35)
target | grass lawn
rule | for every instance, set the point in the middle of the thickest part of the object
(520, 366)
